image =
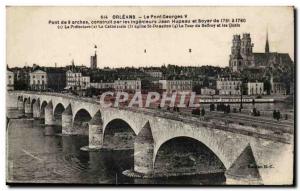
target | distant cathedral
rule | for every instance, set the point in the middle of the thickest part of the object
(243, 57)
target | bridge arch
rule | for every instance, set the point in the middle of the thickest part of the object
(33, 102)
(175, 155)
(79, 106)
(204, 138)
(58, 110)
(118, 134)
(135, 121)
(43, 106)
(81, 119)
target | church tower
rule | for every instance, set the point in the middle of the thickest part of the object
(235, 61)
(267, 48)
(246, 45)
(247, 51)
(94, 59)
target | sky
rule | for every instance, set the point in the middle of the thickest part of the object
(30, 39)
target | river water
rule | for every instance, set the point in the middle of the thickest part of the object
(33, 157)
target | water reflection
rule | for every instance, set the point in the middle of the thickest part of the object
(34, 157)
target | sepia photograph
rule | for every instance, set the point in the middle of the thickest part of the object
(150, 95)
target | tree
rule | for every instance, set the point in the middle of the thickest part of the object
(20, 85)
(146, 85)
(91, 91)
(206, 82)
(197, 89)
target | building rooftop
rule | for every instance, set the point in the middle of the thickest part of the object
(272, 59)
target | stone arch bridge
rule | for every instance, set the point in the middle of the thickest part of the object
(253, 157)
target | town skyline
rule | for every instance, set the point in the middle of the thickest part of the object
(45, 46)
(150, 95)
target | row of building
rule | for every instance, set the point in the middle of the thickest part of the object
(226, 86)
(79, 81)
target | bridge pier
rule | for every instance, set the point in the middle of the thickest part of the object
(66, 120)
(143, 152)
(20, 104)
(36, 109)
(244, 170)
(95, 133)
(28, 108)
(49, 117)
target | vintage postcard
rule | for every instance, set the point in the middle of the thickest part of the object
(150, 95)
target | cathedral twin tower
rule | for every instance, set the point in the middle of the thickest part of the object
(242, 52)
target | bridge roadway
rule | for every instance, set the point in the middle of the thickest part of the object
(230, 142)
(245, 124)
(258, 122)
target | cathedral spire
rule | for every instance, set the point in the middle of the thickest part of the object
(267, 48)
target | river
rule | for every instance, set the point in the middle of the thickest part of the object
(33, 157)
